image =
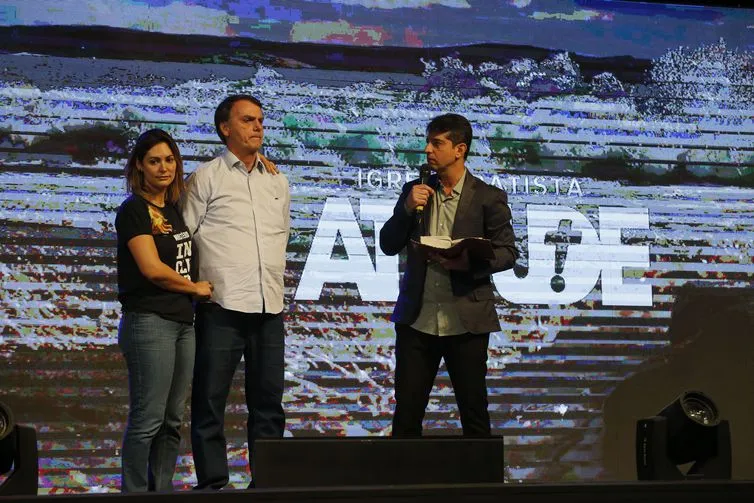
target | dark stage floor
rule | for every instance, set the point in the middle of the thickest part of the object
(651, 492)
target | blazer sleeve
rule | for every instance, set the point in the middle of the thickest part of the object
(396, 232)
(499, 230)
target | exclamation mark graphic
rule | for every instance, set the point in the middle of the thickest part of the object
(561, 239)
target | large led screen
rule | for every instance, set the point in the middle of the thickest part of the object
(622, 132)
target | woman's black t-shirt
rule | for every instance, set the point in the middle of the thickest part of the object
(136, 217)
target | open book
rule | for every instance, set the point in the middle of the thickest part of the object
(479, 248)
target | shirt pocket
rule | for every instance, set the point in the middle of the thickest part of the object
(277, 211)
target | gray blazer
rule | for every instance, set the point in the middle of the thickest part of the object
(482, 212)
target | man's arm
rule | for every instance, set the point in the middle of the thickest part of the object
(498, 229)
(194, 201)
(396, 232)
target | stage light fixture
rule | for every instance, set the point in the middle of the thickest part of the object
(687, 432)
(18, 456)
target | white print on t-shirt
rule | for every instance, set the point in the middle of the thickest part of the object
(181, 236)
(183, 259)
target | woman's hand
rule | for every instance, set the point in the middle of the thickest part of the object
(203, 290)
(268, 164)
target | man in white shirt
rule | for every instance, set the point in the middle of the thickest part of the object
(238, 214)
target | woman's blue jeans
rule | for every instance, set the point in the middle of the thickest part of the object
(159, 354)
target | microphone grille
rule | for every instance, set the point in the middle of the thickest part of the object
(424, 172)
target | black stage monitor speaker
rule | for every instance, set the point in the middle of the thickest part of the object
(376, 461)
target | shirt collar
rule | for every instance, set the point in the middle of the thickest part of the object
(232, 161)
(458, 186)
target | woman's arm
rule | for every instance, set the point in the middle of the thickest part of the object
(145, 254)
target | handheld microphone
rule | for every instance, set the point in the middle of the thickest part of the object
(424, 173)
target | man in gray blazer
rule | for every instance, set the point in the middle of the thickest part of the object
(446, 307)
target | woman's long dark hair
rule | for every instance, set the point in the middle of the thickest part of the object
(135, 178)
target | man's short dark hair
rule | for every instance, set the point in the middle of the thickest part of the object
(457, 126)
(222, 112)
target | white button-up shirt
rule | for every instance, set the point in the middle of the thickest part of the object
(240, 222)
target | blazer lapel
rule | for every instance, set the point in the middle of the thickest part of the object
(467, 197)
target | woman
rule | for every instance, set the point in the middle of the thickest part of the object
(155, 288)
